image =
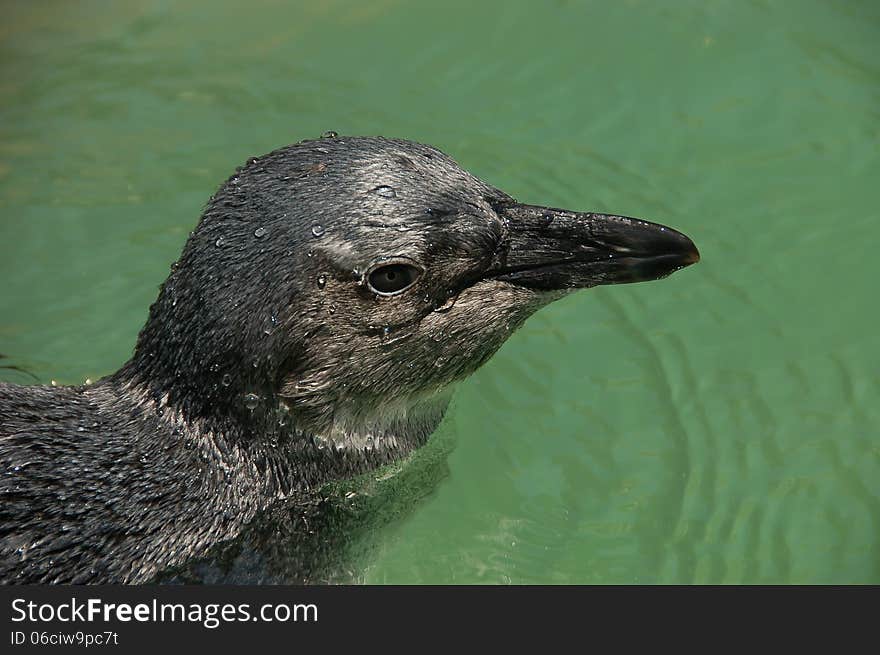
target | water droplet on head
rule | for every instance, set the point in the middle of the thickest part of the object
(251, 401)
(252, 160)
(226, 380)
(219, 242)
(329, 134)
(310, 253)
(384, 191)
(317, 230)
(322, 281)
(260, 231)
(282, 413)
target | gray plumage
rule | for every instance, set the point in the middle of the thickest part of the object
(272, 362)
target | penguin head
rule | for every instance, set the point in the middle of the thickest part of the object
(354, 280)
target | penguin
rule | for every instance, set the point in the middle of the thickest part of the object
(314, 327)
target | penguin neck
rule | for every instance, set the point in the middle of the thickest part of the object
(213, 378)
(258, 430)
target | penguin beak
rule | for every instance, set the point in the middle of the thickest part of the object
(552, 249)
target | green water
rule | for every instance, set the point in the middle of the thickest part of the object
(721, 426)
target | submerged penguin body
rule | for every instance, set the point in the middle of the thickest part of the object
(332, 294)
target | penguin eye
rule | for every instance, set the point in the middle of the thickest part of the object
(392, 278)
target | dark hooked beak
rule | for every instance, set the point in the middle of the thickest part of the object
(551, 249)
